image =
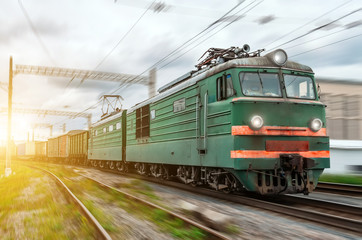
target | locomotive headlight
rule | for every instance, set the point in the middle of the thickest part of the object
(279, 57)
(315, 125)
(256, 122)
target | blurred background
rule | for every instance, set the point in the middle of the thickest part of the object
(133, 37)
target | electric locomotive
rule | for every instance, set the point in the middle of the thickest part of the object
(240, 121)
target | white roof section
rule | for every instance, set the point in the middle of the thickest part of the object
(345, 144)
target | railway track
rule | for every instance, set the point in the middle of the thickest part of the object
(328, 213)
(212, 234)
(332, 214)
(342, 189)
(101, 232)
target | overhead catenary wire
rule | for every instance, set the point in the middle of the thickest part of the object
(180, 47)
(313, 20)
(175, 51)
(124, 36)
(316, 29)
(171, 53)
(314, 39)
(327, 45)
(198, 34)
(218, 21)
(36, 33)
(117, 44)
(211, 35)
(167, 56)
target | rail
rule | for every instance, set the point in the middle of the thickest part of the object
(102, 233)
(338, 188)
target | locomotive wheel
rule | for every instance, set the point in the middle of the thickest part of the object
(156, 170)
(95, 163)
(185, 174)
(141, 168)
(120, 166)
(101, 164)
(166, 174)
(111, 165)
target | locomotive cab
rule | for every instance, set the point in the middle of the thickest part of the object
(279, 135)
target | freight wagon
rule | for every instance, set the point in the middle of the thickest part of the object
(41, 150)
(58, 149)
(78, 146)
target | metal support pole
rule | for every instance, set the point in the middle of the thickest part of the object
(89, 118)
(64, 127)
(51, 130)
(10, 97)
(152, 83)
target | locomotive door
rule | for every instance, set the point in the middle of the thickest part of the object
(202, 116)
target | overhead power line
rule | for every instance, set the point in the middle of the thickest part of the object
(312, 40)
(212, 34)
(189, 41)
(218, 21)
(315, 19)
(124, 36)
(316, 29)
(36, 33)
(327, 45)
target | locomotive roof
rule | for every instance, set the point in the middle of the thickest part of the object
(192, 78)
(70, 133)
(107, 119)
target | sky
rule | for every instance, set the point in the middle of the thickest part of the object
(130, 36)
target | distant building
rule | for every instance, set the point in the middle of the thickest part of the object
(344, 123)
(344, 107)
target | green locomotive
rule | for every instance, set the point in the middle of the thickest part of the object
(241, 120)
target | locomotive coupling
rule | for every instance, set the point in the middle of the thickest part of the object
(295, 162)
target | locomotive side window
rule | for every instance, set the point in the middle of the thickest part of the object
(118, 125)
(153, 114)
(143, 122)
(224, 86)
(260, 84)
(299, 87)
(110, 128)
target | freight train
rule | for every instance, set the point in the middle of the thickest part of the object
(241, 121)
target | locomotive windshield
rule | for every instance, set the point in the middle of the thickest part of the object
(260, 84)
(299, 87)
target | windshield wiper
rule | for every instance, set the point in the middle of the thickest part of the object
(261, 82)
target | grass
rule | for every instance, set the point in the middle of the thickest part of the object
(29, 209)
(233, 229)
(138, 186)
(340, 178)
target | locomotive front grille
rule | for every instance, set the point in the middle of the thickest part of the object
(287, 146)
